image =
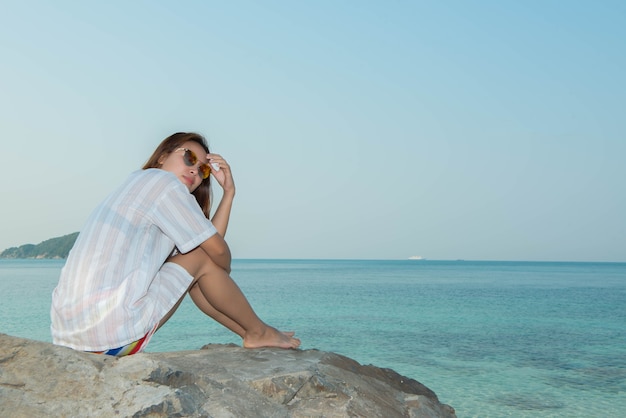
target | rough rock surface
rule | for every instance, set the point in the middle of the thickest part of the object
(40, 379)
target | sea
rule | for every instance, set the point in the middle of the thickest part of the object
(492, 339)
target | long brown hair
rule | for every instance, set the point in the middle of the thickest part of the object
(169, 145)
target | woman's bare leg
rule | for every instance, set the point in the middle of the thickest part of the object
(225, 302)
(203, 304)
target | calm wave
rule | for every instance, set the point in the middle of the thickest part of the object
(492, 339)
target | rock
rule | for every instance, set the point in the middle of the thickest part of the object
(41, 379)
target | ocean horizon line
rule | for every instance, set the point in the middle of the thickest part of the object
(408, 259)
(446, 260)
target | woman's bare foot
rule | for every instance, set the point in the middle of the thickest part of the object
(270, 337)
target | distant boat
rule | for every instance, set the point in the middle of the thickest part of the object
(416, 257)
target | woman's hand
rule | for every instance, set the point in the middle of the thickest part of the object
(223, 176)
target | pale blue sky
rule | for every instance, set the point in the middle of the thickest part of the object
(484, 130)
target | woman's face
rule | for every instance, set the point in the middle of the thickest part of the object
(175, 163)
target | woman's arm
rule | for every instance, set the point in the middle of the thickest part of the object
(224, 178)
(216, 246)
(222, 214)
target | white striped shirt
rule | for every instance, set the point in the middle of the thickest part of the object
(114, 286)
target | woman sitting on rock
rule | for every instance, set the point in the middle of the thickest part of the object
(147, 245)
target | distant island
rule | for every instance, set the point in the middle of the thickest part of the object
(51, 248)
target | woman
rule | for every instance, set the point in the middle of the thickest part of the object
(147, 245)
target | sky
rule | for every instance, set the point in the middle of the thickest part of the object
(482, 130)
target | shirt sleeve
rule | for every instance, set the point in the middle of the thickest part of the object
(178, 215)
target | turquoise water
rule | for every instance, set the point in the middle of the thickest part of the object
(492, 339)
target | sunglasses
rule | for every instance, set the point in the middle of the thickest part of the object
(190, 158)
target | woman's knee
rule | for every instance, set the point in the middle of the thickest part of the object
(196, 262)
